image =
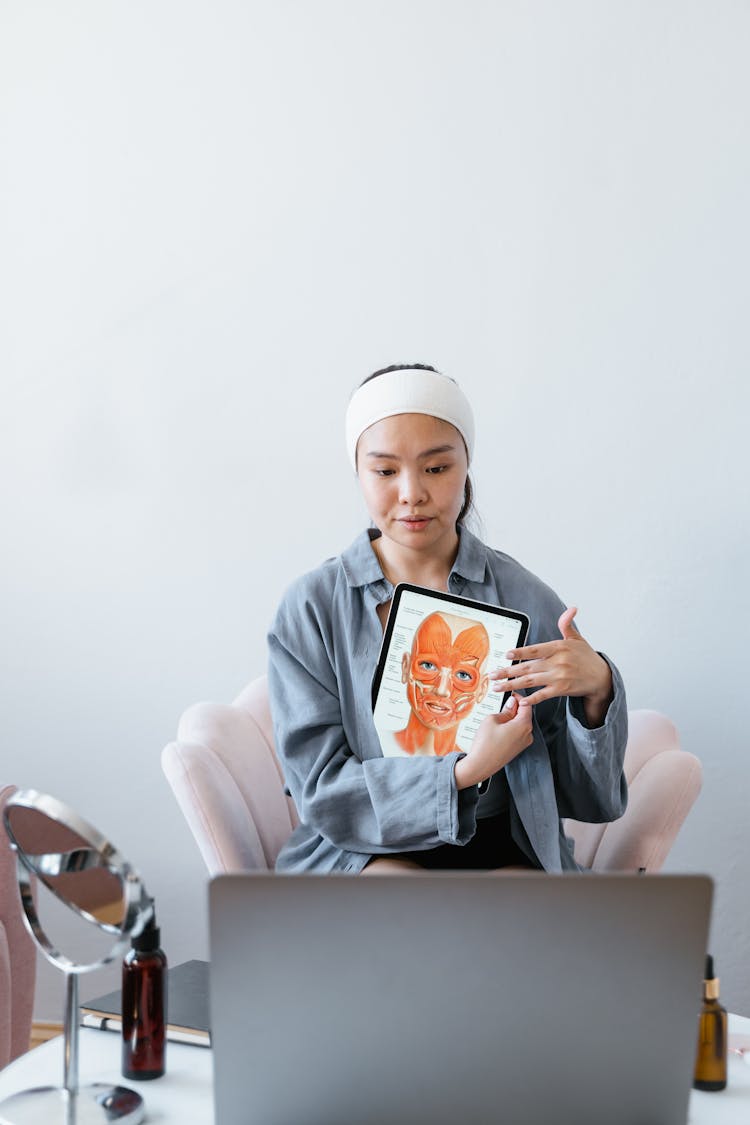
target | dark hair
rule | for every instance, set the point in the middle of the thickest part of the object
(400, 367)
(467, 508)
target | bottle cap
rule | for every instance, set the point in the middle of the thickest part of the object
(710, 982)
(149, 939)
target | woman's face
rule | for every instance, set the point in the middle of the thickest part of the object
(412, 470)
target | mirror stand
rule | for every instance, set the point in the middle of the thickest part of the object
(71, 1104)
(80, 868)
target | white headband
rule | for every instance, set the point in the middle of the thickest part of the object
(408, 391)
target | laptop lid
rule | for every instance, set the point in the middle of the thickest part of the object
(449, 997)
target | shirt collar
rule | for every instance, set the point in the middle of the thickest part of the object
(362, 568)
(360, 562)
(471, 560)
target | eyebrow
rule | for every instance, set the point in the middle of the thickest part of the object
(427, 453)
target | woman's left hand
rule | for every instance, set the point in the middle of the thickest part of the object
(568, 667)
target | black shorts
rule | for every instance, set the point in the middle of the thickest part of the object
(490, 847)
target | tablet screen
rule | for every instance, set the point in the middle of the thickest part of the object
(431, 688)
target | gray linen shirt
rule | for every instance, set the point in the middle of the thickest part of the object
(354, 803)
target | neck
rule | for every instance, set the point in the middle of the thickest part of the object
(419, 739)
(400, 564)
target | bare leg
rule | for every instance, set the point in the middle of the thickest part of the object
(387, 865)
(515, 871)
(395, 865)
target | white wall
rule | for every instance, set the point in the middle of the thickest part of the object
(217, 217)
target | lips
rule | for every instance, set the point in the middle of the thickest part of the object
(435, 708)
(415, 522)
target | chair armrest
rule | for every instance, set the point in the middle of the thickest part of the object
(236, 738)
(660, 797)
(649, 733)
(214, 808)
(5, 1008)
(18, 955)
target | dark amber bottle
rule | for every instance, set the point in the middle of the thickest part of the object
(711, 1057)
(144, 1006)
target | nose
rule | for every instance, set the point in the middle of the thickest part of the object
(412, 490)
(443, 687)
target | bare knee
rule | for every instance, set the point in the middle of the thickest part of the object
(391, 865)
(515, 871)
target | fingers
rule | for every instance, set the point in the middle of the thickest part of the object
(492, 747)
(534, 652)
(526, 675)
(517, 707)
(542, 680)
(565, 624)
(509, 711)
(551, 668)
(523, 705)
(525, 709)
(524, 723)
(522, 682)
(518, 732)
(522, 711)
(547, 649)
(540, 695)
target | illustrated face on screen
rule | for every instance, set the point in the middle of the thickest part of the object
(444, 680)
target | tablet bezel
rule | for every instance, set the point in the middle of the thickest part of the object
(442, 598)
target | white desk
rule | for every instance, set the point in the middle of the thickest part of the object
(185, 1092)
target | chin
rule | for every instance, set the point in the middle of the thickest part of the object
(429, 722)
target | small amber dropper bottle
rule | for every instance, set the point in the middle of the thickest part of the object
(711, 1058)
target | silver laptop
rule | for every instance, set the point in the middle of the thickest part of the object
(456, 998)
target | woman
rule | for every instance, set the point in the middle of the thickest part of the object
(555, 753)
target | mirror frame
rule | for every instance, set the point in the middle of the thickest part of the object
(137, 905)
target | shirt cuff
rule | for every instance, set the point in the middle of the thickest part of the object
(577, 714)
(456, 809)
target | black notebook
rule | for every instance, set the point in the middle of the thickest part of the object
(187, 1006)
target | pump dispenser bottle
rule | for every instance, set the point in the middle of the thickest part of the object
(711, 1058)
(144, 1002)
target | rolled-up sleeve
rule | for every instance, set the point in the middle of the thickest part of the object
(360, 803)
(587, 762)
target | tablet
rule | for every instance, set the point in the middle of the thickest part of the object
(431, 688)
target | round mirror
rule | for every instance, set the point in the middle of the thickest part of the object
(81, 869)
(74, 865)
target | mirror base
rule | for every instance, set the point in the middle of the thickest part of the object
(96, 1104)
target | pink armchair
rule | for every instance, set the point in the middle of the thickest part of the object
(228, 783)
(17, 955)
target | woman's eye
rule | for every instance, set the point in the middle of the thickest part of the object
(438, 468)
(384, 472)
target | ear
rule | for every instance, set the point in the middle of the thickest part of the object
(405, 662)
(484, 684)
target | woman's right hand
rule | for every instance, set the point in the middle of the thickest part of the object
(499, 740)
